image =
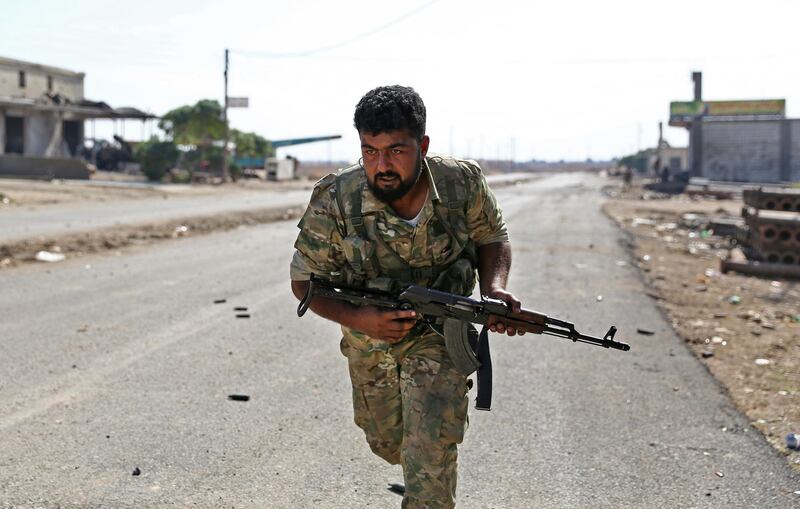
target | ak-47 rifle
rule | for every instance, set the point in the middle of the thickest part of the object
(450, 313)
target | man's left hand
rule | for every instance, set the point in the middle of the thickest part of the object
(495, 322)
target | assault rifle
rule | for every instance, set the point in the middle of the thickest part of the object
(449, 314)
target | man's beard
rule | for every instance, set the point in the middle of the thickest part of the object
(390, 195)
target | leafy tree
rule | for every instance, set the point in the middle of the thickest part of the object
(157, 157)
(198, 125)
(637, 161)
(251, 145)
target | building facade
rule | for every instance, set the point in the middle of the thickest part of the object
(739, 140)
(749, 150)
(35, 117)
(42, 114)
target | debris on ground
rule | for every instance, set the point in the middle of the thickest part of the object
(180, 231)
(397, 488)
(136, 471)
(49, 256)
(239, 397)
(728, 319)
(645, 332)
(220, 301)
(15, 253)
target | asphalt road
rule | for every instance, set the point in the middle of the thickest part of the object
(31, 221)
(27, 221)
(116, 362)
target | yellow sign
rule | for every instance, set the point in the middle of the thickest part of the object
(681, 112)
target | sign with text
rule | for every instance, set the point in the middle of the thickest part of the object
(238, 102)
(682, 112)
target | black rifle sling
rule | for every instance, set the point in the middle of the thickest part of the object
(483, 401)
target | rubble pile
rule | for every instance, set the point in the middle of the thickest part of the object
(691, 234)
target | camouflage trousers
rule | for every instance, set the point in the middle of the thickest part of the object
(412, 405)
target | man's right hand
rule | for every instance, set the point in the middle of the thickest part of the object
(390, 326)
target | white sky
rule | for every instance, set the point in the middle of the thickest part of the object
(528, 79)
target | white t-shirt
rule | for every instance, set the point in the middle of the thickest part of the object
(413, 222)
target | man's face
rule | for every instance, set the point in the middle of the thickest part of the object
(393, 162)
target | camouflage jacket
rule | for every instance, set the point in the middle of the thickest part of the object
(459, 214)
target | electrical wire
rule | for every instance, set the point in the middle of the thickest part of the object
(306, 53)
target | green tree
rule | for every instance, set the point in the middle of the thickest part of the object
(157, 157)
(201, 126)
(198, 125)
(251, 145)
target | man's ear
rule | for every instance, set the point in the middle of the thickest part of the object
(423, 145)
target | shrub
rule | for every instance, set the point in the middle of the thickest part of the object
(157, 157)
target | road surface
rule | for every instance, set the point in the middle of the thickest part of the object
(28, 221)
(116, 362)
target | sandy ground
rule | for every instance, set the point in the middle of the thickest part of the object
(118, 237)
(107, 187)
(746, 330)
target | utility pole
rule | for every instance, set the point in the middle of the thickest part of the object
(659, 161)
(696, 129)
(225, 172)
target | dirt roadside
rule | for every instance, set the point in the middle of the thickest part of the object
(23, 193)
(745, 330)
(114, 187)
(118, 237)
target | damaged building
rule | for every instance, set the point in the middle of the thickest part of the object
(739, 141)
(42, 115)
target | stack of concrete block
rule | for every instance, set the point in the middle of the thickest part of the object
(773, 225)
(770, 237)
(784, 200)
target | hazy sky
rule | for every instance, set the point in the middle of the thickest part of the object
(545, 80)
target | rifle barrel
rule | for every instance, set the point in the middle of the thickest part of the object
(585, 338)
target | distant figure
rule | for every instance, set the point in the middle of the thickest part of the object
(665, 174)
(627, 178)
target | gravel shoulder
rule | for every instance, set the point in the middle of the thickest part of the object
(745, 330)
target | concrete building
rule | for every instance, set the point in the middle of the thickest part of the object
(739, 141)
(749, 150)
(674, 159)
(42, 114)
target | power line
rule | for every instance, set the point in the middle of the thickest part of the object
(305, 53)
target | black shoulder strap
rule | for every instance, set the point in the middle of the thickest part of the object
(483, 401)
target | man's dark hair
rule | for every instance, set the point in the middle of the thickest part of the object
(392, 108)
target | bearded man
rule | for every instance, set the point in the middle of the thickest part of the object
(402, 216)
